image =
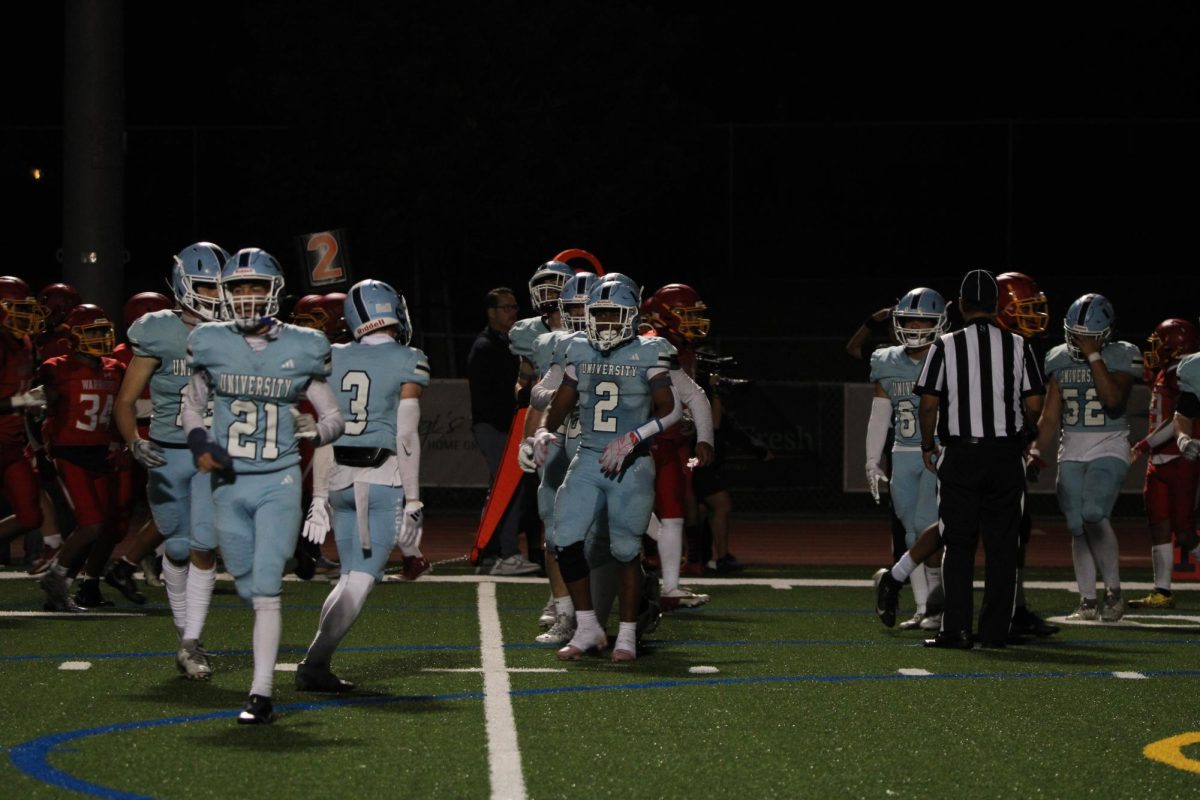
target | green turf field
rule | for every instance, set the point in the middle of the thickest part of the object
(807, 701)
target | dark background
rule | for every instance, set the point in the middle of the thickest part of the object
(800, 168)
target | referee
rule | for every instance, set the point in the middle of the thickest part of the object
(981, 390)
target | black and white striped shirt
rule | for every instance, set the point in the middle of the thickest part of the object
(981, 374)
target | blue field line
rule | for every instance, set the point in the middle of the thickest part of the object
(33, 757)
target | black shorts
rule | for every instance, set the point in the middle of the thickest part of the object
(707, 481)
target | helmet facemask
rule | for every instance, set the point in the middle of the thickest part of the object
(22, 317)
(94, 338)
(914, 338)
(616, 327)
(1029, 316)
(690, 322)
(250, 310)
(1069, 334)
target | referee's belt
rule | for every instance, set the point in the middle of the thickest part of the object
(1014, 440)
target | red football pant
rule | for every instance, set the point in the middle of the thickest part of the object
(672, 479)
(21, 488)
(91, 495)
(1170, 493)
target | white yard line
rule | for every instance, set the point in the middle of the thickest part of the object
(75, 666)
(914, 672)
(478, 670)
(68, 614)
(504, 755)
(1130, 676)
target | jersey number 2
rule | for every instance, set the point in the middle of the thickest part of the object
(607, 396)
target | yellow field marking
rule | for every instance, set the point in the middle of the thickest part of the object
(1170, 751)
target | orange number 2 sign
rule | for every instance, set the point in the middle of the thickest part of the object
(326, 270)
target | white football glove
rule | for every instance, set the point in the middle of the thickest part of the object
(408, 528)
(875, 475)
(33, 400)
(1188, 446)
(306, 426)
(541, 445)
(614, 455)
(525, 456)
(317, 525)
(147, 453)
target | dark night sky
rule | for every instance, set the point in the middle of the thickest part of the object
(462, 145)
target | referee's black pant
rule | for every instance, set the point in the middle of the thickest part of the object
(981, 491)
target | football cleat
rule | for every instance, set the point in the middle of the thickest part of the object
(549, 614)
(514, 565)
(325, 569)
(192, 660)
(560, 632)
(682, 598)
(1155, 599)
(258, 711)
(311, 678)
(152, 571)
(119, 575)
(43, 561)
(582, 642)
(89, 595)
(931, 622)
(887, 596)
(621, 654)
(1087, 610)
(414, 567)
(914, 623)
(1114, 607)
(728, 563)
(57, 587)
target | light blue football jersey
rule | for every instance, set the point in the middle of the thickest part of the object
(254, 391)
(1189, 374)
(1082, 410)
(894, 370)
(614, 390)
(523, 334)
(366, 378)
(542, 350)
(162, 335)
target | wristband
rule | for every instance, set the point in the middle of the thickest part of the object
(1094, 357)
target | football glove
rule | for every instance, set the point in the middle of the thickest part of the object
(33, 400)
(541, 442)
(875, 476)
(614, 455)
(317, 524)
(525, 456)
(1188, 446)
(408, 529)
(147, 453)
(199, 444)
(1034, 464)
(306, 426)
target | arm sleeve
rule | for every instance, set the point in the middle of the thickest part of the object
(877, 428)
(1165, 433)
(408, 447)
(195, 402)
(330, 424)
(322, 462)
(696, 401)
(543, 391)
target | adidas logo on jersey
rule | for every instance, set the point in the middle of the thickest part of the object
(634, 357)
(287, 481)
(289, 364)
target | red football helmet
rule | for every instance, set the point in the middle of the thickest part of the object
(90, 331)
(59, 298)
(324, 313)
(20, 312)
(1172, 339)
(677, 312)
(1022, 306)
(143, 303)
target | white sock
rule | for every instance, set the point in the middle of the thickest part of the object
(1106, 552)
(670, 550)
(920, 588)
(586, 622)
(341, 609)
(1162, 556)
(199, 595)
(176, 578)
(1085, 567)
(903, 567)
(564, 607)
(268, 626)
(53, 540)
(627, 637)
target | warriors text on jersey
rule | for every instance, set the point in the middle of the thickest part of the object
(85, 391)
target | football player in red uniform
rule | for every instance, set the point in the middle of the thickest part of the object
(80, 389)
(20, 317)
(1171, 481)
(676, 313)
(58, 299)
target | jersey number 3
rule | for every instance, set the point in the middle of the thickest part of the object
(358, 384)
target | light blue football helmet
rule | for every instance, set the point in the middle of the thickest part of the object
(1090, 315)
(196, 265)
(612, 314)
(546, 284)
(622, 278)
(251, 265)
(572, 303)
(919, 304)
(372, 305)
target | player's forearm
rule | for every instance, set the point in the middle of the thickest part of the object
(194, 403)
(696, 402)
(408, 443)
(330, 424)
(125, 415)
(1111, 391)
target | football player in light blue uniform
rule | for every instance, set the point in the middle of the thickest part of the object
(918, 319)
(256, 368)
(1187, 411)
(569, 321)
(621, 385)
(1088, 380)
(369, 479)
(180, 496)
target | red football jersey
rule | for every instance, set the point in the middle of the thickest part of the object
(82, 413)
(1163, 396)
(16, 375)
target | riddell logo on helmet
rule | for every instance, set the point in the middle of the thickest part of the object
(374, 325)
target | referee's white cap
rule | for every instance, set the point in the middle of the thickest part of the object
(979, 288)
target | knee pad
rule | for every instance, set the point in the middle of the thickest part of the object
(177, 549)
(243, 586)
(624, 549)
(1092, 513)
(572, 563)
